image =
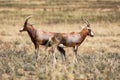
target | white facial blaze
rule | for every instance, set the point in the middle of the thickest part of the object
(92, 33)
(21, 28)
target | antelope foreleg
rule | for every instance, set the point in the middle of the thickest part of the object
(75, 49)
(36, 52)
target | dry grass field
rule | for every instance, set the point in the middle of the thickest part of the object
(98, 57)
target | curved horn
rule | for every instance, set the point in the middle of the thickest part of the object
(86, 21)
(26, 20)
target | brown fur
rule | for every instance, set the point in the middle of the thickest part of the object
(39, 37)
(73, 39)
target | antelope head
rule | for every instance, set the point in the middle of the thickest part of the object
(26, 25)
(88, 28)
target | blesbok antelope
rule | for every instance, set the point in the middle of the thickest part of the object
(38, 36)
(73, 39)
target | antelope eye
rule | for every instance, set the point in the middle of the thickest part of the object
(89, 30)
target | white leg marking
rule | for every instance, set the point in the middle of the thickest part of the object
(54, 58)
(75, 55)
(36, 54)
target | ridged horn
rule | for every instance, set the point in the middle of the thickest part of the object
(85, 20)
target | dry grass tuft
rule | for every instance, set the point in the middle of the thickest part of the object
(21, 65)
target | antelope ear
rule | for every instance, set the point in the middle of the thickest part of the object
(82, 27)
(32, 24)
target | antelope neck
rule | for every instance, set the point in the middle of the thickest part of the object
(83, 34)
(32, 33)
